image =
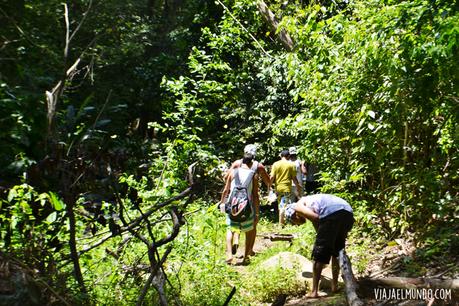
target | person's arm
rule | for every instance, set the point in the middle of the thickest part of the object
(256, 200)
(298, 186)
(226, 190)
(272, 178)
(264, 175)
(307, 212)
(303, 168)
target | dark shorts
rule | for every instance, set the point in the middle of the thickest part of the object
(331, 235)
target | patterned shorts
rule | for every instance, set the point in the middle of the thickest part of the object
(245, 226)
(284, 199)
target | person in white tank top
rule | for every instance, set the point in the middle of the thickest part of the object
(249, 226)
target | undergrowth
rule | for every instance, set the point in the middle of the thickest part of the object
(198, 275)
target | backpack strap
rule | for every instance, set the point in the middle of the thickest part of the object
(254, 167)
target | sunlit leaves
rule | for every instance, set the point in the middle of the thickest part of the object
(375, 77)
(56, 201)
(28, 220)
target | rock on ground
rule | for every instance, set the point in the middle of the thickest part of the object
(289, 260)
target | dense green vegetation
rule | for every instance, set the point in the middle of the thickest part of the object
(106, 104)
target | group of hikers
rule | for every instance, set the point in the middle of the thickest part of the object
(331, 216)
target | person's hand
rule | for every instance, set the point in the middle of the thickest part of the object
(272, 197)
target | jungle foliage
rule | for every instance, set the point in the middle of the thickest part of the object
(106, 104)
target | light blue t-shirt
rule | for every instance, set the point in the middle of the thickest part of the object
(326, 204)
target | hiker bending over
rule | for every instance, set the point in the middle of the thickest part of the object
(260, 170)
(283, 173)
(241, 206)
(332, 218)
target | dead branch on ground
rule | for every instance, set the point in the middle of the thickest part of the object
(350, 285)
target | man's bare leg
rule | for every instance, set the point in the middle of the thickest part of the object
(249, 239)
(281, 217)
(316, 273)
(335, 273)
(235, 244)
(229, 244)
(252, 241)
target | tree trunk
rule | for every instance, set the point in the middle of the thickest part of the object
(284, 37)
(73, 248)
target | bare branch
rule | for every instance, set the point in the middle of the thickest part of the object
(137, 221)
(145, 288)
(53, 96)
(175, 228)
(242, 26)
(154, 273)
(350, 285)
(103, 108)
(123, 230)
(191, 169)
(67, 30)
(85, 14)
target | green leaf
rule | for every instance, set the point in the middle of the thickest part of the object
(14, 222)
(52, 217)
(12, 194)
(56, 202)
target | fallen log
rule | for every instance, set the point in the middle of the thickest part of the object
(350, 284)
(277, 237)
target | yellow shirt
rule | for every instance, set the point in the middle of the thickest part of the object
(284, 171)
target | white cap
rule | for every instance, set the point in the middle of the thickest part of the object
(250, 149)
(292, 150)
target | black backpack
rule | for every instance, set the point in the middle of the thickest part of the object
(239, 207)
